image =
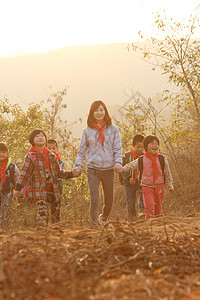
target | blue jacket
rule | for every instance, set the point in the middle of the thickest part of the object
(99, 158)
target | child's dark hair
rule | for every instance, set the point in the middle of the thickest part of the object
(138, 138)
(33, 135)
(52, 142)
(3, 147)
(93, 107)
(149, 139)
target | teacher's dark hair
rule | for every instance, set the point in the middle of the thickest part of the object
(93, 107)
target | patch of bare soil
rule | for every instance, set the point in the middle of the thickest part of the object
(153, 259)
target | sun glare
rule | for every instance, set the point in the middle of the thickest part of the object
(38, 26)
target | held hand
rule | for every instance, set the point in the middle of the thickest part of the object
(76, 172)
(131, 181)
(119, 169)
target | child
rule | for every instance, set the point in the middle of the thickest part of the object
(8, 178)
(53, 146)
(101, 141)
(152, 177)
(41, 170)
(130, 179)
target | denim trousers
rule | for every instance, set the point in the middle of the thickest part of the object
(131, 198)
(106, 177)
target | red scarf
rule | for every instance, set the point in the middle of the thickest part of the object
(135, 157)
(44, 154)
(2, 169)
(57, 156)
(155, 167)
(101, 135)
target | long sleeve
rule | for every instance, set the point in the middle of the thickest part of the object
(131, 166)
(58, 170)
(100, 156)
(82, 150)
(117, 148)
(26, 172)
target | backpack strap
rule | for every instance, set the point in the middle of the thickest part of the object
(11, 169)
(126, 158)
(140, 165)
(162, 164)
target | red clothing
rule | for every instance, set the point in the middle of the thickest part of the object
(152, 183)
(33, 173)
(154, 163)
(58, 156)
(101, 135)
(2, 170)
(153, 198)
(44, 154)
(148, 175)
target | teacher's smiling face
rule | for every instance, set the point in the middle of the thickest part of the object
(99, 114)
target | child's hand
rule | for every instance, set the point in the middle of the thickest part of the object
(131, 181)
(119, 169)
(76, 172)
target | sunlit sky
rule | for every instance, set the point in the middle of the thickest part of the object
(42, 25)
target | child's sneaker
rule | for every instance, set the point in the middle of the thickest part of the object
(103, 222)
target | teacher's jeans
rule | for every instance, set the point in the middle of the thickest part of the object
(106, 177)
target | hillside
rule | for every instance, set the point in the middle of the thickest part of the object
(91, 72)
(154, 259)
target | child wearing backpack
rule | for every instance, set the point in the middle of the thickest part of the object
(130, 179)
(152, 175)
(40, 172)
(52, 145)
(8, 178)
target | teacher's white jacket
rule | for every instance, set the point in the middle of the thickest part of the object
(98, 157)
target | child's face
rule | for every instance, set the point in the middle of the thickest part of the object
(52, 147)
(3, 155)
(99, 114)
(152, 148)
(39, 140)
(138, 148)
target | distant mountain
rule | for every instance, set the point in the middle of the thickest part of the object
(108, 72)
(15, 54)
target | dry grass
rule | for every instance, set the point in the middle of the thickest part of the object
(154, 259)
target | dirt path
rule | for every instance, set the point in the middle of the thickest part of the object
(154, 259)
